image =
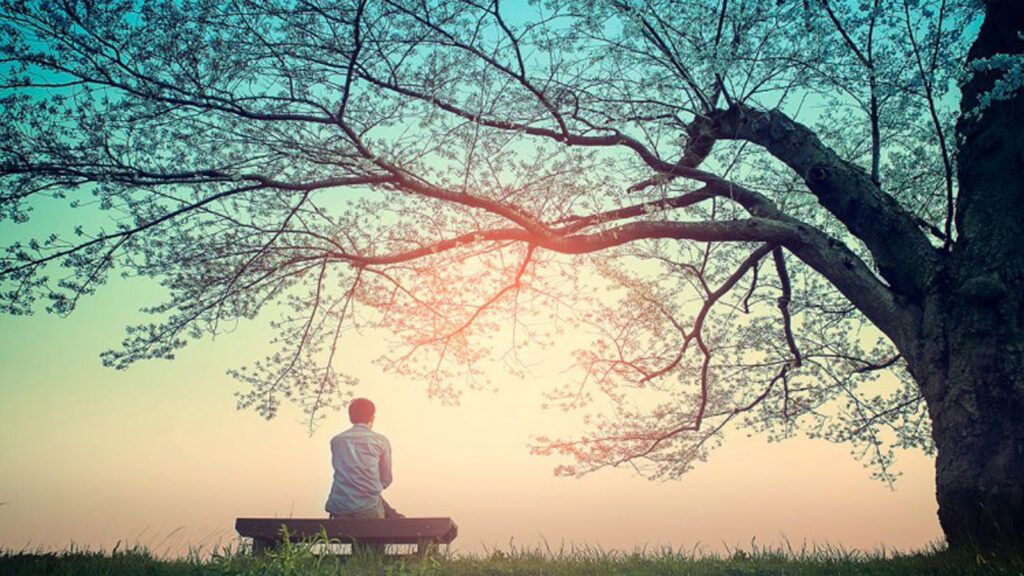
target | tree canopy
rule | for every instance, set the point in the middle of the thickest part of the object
(730, 205)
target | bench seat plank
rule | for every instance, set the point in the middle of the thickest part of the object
(389, 531)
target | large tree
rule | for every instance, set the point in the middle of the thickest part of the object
(794, 216)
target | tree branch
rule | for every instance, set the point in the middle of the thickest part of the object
(903, 255)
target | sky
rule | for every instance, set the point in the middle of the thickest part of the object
(157, 455)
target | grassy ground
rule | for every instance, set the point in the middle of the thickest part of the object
(302, 559)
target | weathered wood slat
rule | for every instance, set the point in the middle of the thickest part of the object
(390, 531)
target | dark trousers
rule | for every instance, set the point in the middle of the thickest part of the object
(383, 510)
(380, 511)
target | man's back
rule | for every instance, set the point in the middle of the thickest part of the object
(362, 469)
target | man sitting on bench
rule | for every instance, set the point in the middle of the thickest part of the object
(362, 468)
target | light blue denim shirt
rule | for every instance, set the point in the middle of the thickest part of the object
(362, 469)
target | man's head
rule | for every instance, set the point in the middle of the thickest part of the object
(361, 411)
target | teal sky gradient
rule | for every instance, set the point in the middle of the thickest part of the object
(158, 455)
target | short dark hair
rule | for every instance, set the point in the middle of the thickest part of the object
(361, 411)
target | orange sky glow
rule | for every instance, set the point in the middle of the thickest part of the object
(157, 455)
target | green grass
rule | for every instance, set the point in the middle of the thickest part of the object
(304, 558)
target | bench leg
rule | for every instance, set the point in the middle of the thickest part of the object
(261, 545)
(423, 547)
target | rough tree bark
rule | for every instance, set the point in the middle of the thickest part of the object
(970, 361)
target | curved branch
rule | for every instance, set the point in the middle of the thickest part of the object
(750, 262)
(613, 138)
(784, 300)
(824, 254)
(262, 183)
(905, 258)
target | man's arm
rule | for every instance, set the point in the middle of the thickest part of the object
(385, 464)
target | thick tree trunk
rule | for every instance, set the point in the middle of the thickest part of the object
(972, 363)
(976, 403)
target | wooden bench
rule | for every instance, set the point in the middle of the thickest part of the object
(423, 532)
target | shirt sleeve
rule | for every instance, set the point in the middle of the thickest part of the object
(385, 464)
